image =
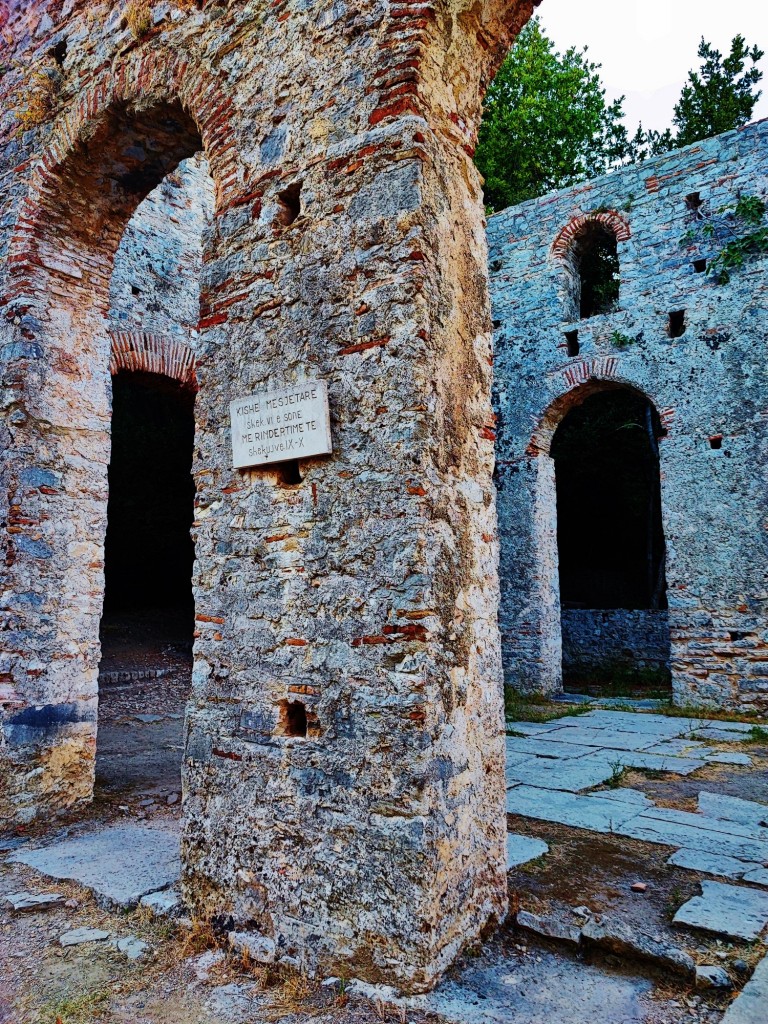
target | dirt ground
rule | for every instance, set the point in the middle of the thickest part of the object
(138, 777)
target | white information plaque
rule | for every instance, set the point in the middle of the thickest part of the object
(275, 426)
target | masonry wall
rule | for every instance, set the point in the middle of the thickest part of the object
(155, 285)
(710, 387)
(629, 642)
(374, 846)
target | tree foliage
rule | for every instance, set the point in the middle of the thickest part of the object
(546, 122)
(718, 97)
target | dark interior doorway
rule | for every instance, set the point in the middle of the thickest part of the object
(148, 620)
(611, 545)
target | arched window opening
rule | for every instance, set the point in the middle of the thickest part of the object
(596, 263)
(610, 542)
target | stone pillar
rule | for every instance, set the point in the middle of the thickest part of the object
(374, 845)
(530, 586)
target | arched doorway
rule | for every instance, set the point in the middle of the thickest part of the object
(610, 545)
(148, 618)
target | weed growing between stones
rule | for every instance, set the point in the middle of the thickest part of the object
(138, 18)
(37, 98)
(621, 340)
(535, 708)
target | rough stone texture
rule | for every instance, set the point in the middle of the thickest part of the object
(710, 381)
(369, 591)
(614, 638)
(120, 863)
(749, 1006)
(619, 937)
(741, 913)
(521, 849)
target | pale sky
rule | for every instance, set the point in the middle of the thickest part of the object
(646, 47)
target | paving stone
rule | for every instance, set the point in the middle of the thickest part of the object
(571, 775)
(549, 927)
(731, 808)
(536, 728)
(711, 863)
(703, 821)
(729, 757)
(626, 721)
(716, 735)
(77, 936)
(713, 977)
(131, 947)
(620, 937)
(613, 739)
(162, 903)
(587, 811)
(750, 1006)
(623, 794)
(521, 849)
(120, 863)
(21, 901)
(656, 762)
(671, 833)
(758, 876)
(544, 747)
(713, 723)
(681, 748)
(736, 911)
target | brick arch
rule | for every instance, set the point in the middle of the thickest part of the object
(153, 353)
(617, 224)
(588, 378)
(144, 79)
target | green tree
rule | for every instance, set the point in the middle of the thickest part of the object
(717, 98)
(546, 122)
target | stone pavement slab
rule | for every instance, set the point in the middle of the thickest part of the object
(521, 849)
(614, 739)
(77, 936)
(711, 863)
(681, 748)
(732, 808)
(758, 876)
(654, 762)
(571, 775)
(588, 811)
(703, 821)
(536, 728)
(750, 1006)
(34, 900)
(672, 833)
(736, 911)
(729, 757)
(542, 746)
(120, 863)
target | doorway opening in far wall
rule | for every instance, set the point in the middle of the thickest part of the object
(611, 549)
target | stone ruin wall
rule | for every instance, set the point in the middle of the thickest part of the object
(623, 639)
(155, 286)
(710, 386)
(375, 846)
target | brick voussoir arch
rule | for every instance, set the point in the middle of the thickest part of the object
(580, 381)
(610, 219)
(156, 75)
(153, 353)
